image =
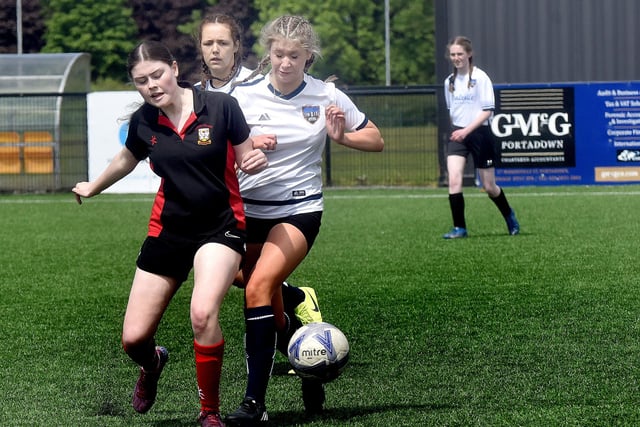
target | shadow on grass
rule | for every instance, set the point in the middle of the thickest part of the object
(489, 235)
(281, 369)
(342, 415)
(125, 414)
(347, 415)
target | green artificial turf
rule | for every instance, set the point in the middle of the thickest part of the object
(539, 329)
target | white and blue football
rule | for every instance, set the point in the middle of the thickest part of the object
(318, 351)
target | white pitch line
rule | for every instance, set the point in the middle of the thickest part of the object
(148, 198)
(479, 194)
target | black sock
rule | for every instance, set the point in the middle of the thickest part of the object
(502, 204)
(291, 296)
(456, 202)
(260, 343)
(293, 324)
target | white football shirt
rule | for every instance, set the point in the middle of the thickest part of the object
(292, 183)
(465, 103)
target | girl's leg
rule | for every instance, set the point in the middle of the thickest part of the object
(215, 266)
(455, 168)
(497, 196)
(282, 252)
(149, 296)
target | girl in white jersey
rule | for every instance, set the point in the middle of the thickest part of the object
(284, 205)
(219, 38)
(470, 100)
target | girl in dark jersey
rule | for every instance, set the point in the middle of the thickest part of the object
(194, 140)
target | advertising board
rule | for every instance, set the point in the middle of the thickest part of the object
(568, 133)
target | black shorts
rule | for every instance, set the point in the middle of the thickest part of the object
(308, 223)
(481, 143)
(170, 255)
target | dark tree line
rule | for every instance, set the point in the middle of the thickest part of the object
(351, 33)
(33, 26)
(171, 21)
(174, 22)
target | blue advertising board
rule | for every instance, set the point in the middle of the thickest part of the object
(568, 133)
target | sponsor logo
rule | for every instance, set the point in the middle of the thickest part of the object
(323, 338)
(230, 235)
(628, 156)
(313, 300)
(503, 125)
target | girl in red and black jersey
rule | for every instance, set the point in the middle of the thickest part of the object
(194, 140)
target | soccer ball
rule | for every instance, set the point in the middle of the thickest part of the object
(318, 351)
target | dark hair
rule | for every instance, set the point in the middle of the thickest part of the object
(466, 45)
(236, 34)
(149, 50)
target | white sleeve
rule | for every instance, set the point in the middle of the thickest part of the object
(487, 97)
(354, 118)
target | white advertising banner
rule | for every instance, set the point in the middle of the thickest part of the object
(107, 116)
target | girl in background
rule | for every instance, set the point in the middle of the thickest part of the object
(470, 100)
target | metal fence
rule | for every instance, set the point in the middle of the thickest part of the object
(58, 158)
(408, 119)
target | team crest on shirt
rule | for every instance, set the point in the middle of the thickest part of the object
(311, 113)
(204, 136)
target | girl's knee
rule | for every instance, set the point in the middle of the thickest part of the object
(202, 319)
(258, 291)
(132, 344)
